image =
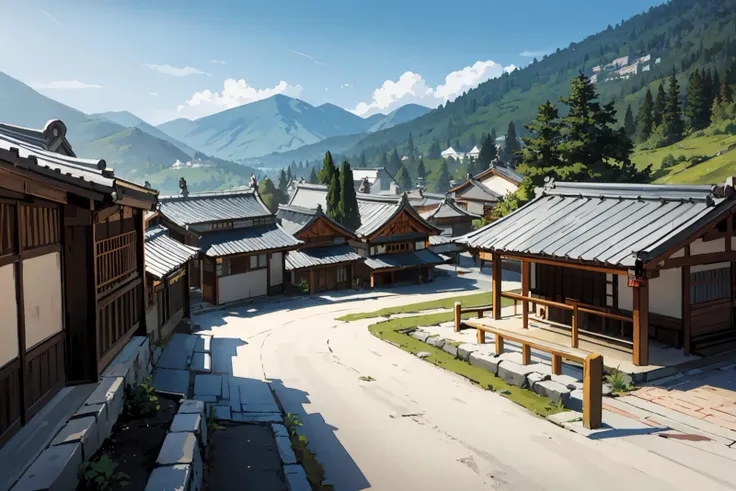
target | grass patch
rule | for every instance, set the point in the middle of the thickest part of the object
(307, 458)
(389, 331)
(474, 300)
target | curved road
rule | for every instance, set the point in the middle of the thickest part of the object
(418, 427)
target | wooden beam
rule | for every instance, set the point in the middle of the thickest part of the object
(496, 285)
(593, 391)
(686, 326)
(713, 257)
(525, 278)
(567, 264)
(457, 316)
(104, 214)
(641, 325)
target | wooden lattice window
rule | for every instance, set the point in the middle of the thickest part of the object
(40, 226)
(7, 228)
(710, 285)
(116, 259)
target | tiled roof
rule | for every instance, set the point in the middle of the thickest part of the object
(448, 209)
(164, 254)
(614, 224)
(479, 191)
(503, 170)
(403, 260)
(246, 240)
(212, 207)
(34, 154)
(294, 219)
(321, 256)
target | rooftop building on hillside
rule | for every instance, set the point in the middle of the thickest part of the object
(479, 194)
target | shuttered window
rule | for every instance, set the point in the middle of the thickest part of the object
(711, 285)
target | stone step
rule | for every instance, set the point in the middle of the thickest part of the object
(201, 363)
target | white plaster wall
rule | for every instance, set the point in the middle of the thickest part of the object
(625, 293)
(475, 207)
(240, 286)
(665, 293)
(700, 247)
(708, 267)
(8, 315)
(277, 269)
(500, 185)
(42, 297)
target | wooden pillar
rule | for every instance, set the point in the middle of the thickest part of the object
(457, 316)
(641, 324)
(575, 326)
(556, 364)
(499, 344)
(311, 281)
(187, 297)
(141, 248)
(525, 277)
(93, 323)
(373, 280)
(686, 326)
(393, 277)
(593, 391)
(496, 285)
(526, 354)
(23, 375)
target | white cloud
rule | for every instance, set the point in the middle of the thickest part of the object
(412, 88)
(153, 93)
(51, 17)
(219, 62)
(533, 54)
(234, 93)
(346, 86)
(64, 85)
(176, 72)
(309, 57)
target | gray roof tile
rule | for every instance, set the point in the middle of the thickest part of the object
(448, 209)
(247, 240)
(321, 256)
(404, 260)
(164, 254)
(211, 207)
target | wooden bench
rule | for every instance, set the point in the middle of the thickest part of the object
(592, 362)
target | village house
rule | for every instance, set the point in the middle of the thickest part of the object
(326, 261)
(71, 269)
(374, 181)
(242, 244)
(635, 272)
(479, 194)
(393, 238)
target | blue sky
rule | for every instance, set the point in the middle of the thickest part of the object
(163, 59)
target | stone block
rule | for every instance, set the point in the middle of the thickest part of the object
(178, 352)
(191, 406)
(552, 390)
(80, 430)
(201, 362)
(565, 417)
(178, 448)
(436, 341)
(143, 361)
(279, 430)
(157, 354)
(575, 401)
(55, 469)
(235, 399)
(193, 423)
(464, 351)
(208, 385)
(204, 344)
(110, 391)
(535, 377)
(257, 397)
(296, 478)
(570, 382)
(449, 348)
(225, 387)
(514, 374)
(123, 370)
(170, 478)
(283, 443)
(202, 398)
(420, 335)
(222, 413)
(484, 361)
(99, 412)
(171, 381)
(257, 417)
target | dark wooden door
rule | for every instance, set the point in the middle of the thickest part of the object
(209, 281)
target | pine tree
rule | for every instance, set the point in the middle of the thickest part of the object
(511, 145)
(725, 93)
(363, 163)
(672, 116)
(384, 161)
(541, 155)
(493, 134)
(659, 106)
(410, 147)
(697, 107)
(434, 149)
(283, 182)
(334, 210)
(328, 170)
(488, 153)
(629, 125)
(269, 194)
(644, 118)
(403, 179)
(443, 181)
(348, 200)
(313, 177)
(421, 170)
(394, 162)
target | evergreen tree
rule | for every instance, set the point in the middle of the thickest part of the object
(697, 108)
(334, 210)
(591, 148)
(541, 154)
(443, 181)
(434, 149)
(659, 106)
(725, 93)
(421, 170)
(328, 170)
(644, 118)
(488, 153)
(283, 182)
(403, 179)
(363, 163)
(673, 125)
(313, 177)
(270, 195)
(348, 200)
(629, 125)
(410, 147)
(511, 145)
(394, 162)
(384, 161)
(493, 134)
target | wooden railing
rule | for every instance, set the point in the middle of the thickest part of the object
(118, 316)
(116, 259)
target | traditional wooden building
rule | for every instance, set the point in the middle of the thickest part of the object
(243, 245)
(168, 280)
(392, 238)
(479, 194)
(451, 219)
(326, 261)
(623, 264)
(71, 268)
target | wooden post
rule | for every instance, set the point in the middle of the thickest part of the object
(574, 334)
(496, 284)
(686, 326)
(525, 276)
(457, 316)
(526, 354)
(311, 281)
(141, 253)
(373, 281)
(499, 344)
(556, 364)
(481, 336)
(593, 391)
(641, 325)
